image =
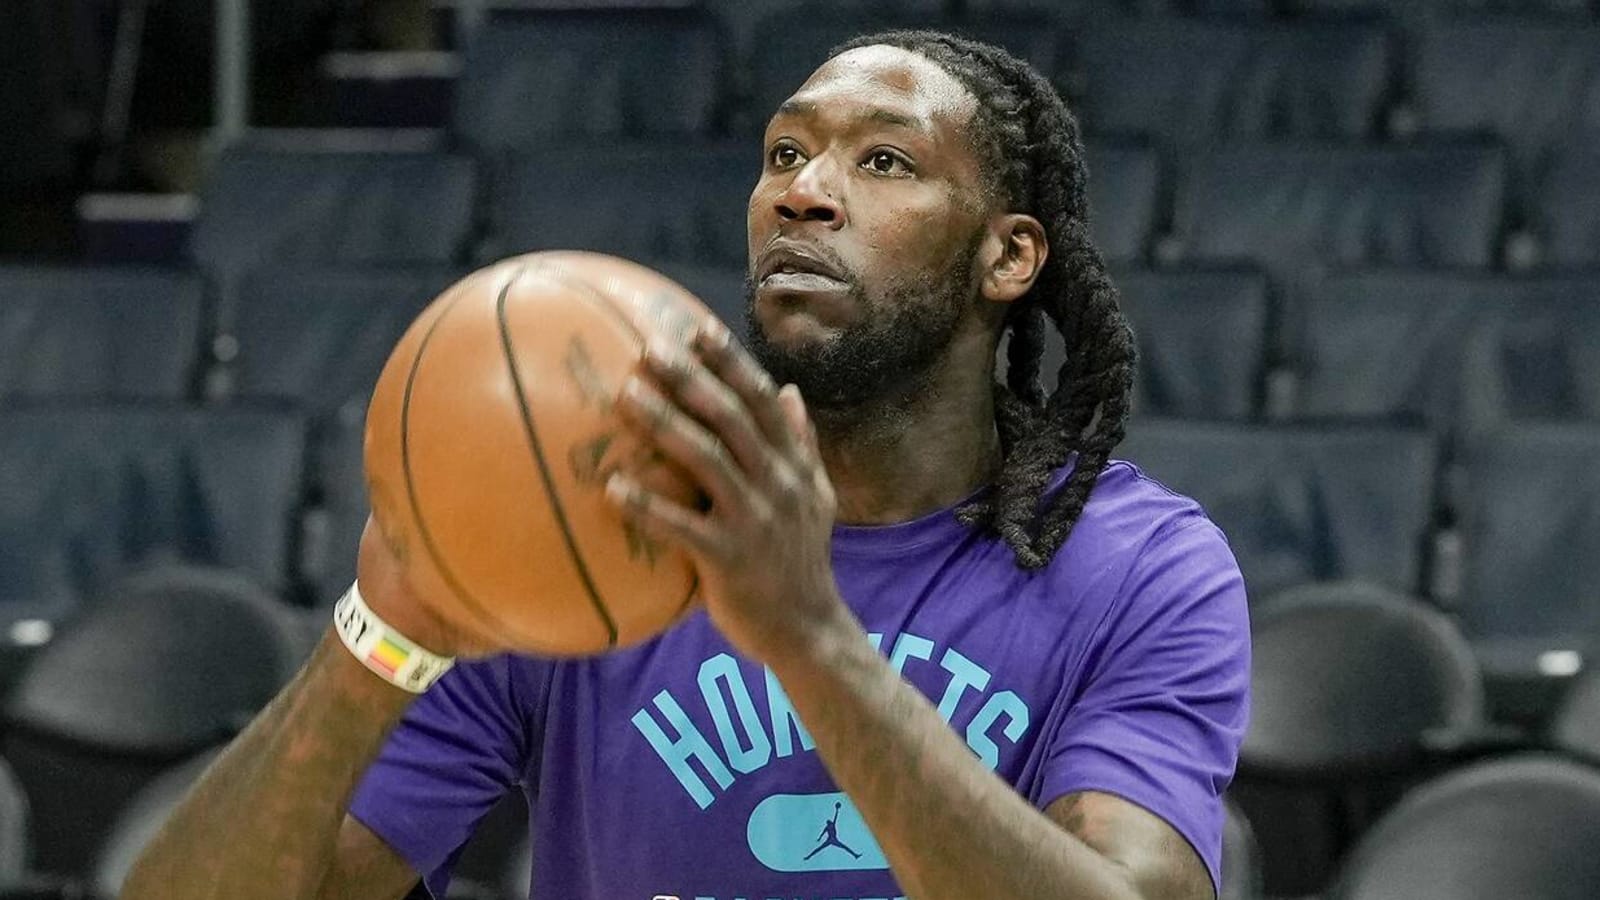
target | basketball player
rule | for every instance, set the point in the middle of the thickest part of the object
(940, 631)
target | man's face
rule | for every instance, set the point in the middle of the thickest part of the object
(864, 226)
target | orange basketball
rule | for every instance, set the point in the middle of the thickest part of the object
(488, 441)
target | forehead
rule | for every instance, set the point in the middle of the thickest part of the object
(890, 78)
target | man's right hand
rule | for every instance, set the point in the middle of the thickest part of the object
(389, 594)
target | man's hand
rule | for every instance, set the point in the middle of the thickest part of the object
(762, 548)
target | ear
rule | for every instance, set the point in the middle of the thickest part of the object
(1012, 256)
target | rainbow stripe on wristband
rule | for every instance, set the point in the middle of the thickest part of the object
(389, 654)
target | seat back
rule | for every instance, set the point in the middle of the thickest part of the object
(98, 334)
(14, 818)
(1519, 827)
(1565, 213)
(317, 207)
(533, 77)
(1302, 503)
(1124, 198)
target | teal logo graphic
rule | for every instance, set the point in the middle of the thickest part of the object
(812, 833)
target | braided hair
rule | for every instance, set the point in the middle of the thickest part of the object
(1029, 142)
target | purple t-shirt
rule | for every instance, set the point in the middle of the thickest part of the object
(678, 769)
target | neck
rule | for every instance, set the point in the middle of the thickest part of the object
(919, 447)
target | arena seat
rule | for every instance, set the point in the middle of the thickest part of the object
(164, 664)
(319, 337)
(1124, 198)
(681, 202)
(98, 334)
(334, 524)
(1301, 503)
(1191, 83)
(533, 77)
(1302, 208)
(1202, 340)
(788, 46)
(1414, 12)
(1351, 687)
(1530, 512)
(1241, 856)
(1532, 82)
(137, 823)
(1564, 216)
(1388, 343)
(1535, 354)
(314, 207)
(1525, 826)
(88, 492)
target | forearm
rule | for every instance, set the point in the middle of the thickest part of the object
(264, 820)
(949, 827)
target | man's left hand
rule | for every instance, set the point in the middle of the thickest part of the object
(763, 546)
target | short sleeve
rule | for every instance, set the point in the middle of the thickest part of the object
(1165, 699)
(462, 745)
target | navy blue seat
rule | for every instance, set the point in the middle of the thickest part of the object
(789, 46)
(339, 485)
(87, 493)
(1193, 83)
(1302, 503)
(333, 208)
(1531, 82)
(531, 77)
(659, 201)
(14, 818)
(1415, 12)
(98, 334)
(1301, 208)
(1530, 518)
(1202, 341)
(319, 337)
(1536, 353)
(1124, 198)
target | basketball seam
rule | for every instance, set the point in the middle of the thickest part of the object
(598, 298)
(463, 596)
(544, 467)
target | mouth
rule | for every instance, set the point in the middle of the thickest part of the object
(788, 267)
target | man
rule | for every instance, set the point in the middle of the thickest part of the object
(900, 645)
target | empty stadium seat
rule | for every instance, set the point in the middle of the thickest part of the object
(165, 664)
(789, 46)
(1564, 216)
(1124, 197)
(319, 337)
(1301, 503)
(138, 823)
(97, 334)
(1241, 856)
(1192, 83)
(320, 207)
(662, 200)
(1531, 82)
(328, 561)
(1202, 340)
(1535, 354)
(1351, 685)
(1412, 12)
(1389, 343)
(87, 493)
(1301, 208)
(535, 76)
(1530, 518)
(1525, 826)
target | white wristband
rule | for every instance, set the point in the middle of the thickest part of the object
(392, 656)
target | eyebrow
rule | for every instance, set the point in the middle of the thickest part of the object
(877, 114)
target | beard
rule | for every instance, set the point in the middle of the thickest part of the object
(889, 353)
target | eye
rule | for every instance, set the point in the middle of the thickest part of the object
(784, 156)
(887, 162)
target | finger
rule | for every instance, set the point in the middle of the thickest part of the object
(740, 372)
(794, 410)
(709, 400)
(684, 441)
(663, 519)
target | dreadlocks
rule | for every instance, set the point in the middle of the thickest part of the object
(1029, 142)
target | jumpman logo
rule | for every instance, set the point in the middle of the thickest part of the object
(830, 836)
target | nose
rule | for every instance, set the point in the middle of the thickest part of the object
(810, 197)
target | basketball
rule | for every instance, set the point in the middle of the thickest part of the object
(488, 441)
